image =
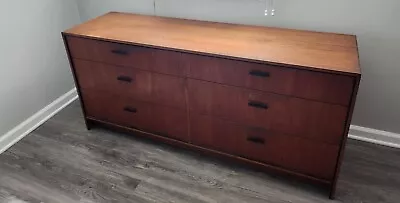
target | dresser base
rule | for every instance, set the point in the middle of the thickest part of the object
(324, 184)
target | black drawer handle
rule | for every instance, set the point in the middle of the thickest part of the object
(259, 73)
(259, 105)
(119, 52)
(130, 109)
(257, 140)
(124, 78)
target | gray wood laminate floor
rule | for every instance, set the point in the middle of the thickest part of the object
(63, 162)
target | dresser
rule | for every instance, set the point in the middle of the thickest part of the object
(275, 99)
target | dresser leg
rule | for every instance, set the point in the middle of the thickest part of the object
(89, 124)
(332, 192)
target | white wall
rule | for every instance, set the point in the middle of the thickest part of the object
(92, 8)
(375, 22)
(34, 69)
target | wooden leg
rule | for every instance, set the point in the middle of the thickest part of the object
(89, 124)
(332, 191)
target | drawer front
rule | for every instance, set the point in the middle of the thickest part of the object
(161, 61)
(243, 74)
(331, 88)
(289, 152)
(129, 82)
(156, 119)
(315, 120)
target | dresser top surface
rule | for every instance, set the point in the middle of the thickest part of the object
(316, 50)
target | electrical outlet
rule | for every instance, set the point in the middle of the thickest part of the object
(269, 8)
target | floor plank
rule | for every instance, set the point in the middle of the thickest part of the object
(63, 162)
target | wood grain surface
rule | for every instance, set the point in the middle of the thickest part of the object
(155, 60)
(158, 119)
(63, 162)
(299, 117)
(305, 49)
(274, 148)
(131, 83)
(297, 86)
(243, 74)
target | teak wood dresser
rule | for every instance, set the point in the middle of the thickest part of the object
(276, 99)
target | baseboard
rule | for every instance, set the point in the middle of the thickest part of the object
(375, 136)
(30, 124)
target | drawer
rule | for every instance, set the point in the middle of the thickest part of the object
(315, 120)
(331, 88)
(293, 153)
(161, 61)
(325, 87)
(243, 74)
(123, 111)
(130, 82)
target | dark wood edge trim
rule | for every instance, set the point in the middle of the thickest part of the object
(345, 137)
(209, 151)
(307, 68)
(78, 88)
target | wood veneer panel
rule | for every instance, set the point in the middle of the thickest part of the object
(312, 50)
(155, 60)
(132, 83)
(312, 85)
(164, 121)
(278, 113)
(301, 155)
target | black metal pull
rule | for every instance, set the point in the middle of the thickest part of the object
(259, 73)
(124, 78)
(257, 140)
(119, 52)
(257, 104)
(130, 109)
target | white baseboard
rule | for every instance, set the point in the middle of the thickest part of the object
(30, 124)
(375, 136)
